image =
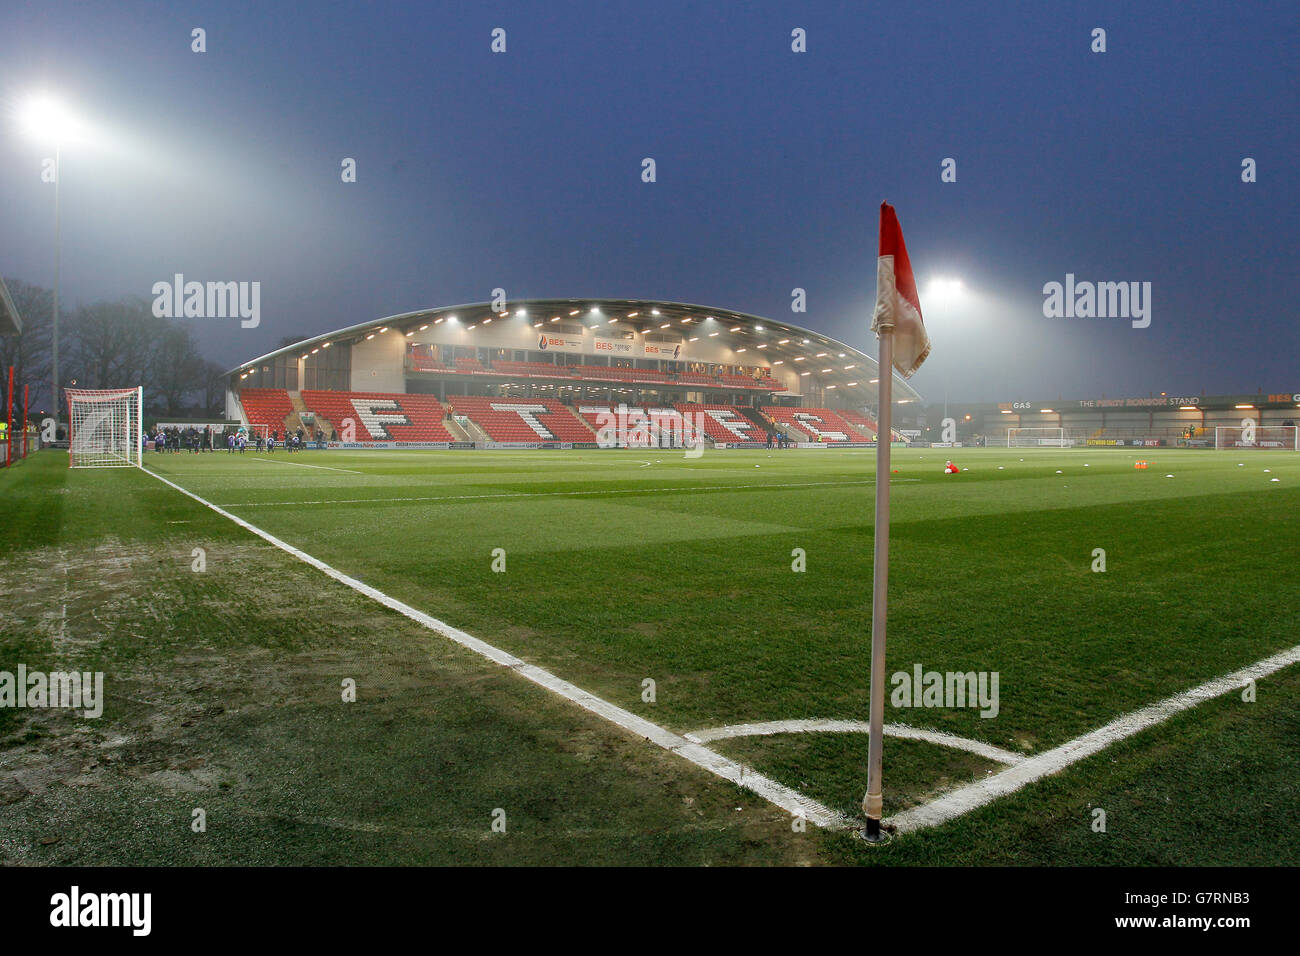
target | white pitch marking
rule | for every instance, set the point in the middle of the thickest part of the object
(555, 494)
(815, 725)
(770, 790)
(298, 464)
(977, 794)
(831, 726)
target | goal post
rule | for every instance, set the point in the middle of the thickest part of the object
(1038, 438)
(1256, 437)
(105, 427)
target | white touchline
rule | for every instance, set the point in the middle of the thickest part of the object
(775, 793)
(554, 494)
(965, 799)
(816, 725)
(299, 464)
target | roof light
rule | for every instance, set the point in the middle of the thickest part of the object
(779, 362)
(370, 336)
(803, 374)
(758, 328)
(829, 387)
(423, 327)
(847, 367)
(738, 351)
(1243, 406)
(556, 319)
(693, 338)
(665, 325)
(654, 311)
(825, 370)
(575, 312)
(633, 315)
(784, 342)
(735, 328)
(763, 346)
(822, 354)
(800, 358)
(848, 384)
(712, 334)
(326, 345)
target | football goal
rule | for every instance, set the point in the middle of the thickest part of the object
(1038, 438)
(1256, 437)
(106, 427)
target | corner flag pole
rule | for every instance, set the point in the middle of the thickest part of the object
(903, 345)
(872, 804)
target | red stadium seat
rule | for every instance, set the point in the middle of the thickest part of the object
(381, 416)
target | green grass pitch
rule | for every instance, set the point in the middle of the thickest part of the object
(223, 685)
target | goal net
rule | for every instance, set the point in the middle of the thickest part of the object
(1038, 438)
(1256, 437)
(105, 427)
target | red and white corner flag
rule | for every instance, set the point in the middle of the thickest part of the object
(897, 304)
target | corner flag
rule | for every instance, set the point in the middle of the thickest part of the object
(903, 346)
(897, 304)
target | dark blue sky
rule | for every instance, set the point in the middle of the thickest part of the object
(522, 170)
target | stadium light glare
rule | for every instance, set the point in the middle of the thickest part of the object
(943, 290)
(654, 311)
(46, 119)
(758, 328)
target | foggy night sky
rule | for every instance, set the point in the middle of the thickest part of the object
(522, 170)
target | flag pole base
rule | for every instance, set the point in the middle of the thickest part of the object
(873, 834)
